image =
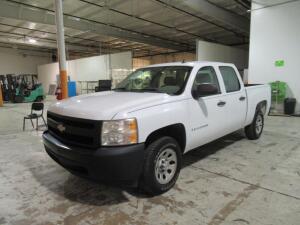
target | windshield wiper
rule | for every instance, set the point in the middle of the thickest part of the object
(119, 89)
(151, 90)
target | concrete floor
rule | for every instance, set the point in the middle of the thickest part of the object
(231, 181)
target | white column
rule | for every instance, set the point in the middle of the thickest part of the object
(61, 48)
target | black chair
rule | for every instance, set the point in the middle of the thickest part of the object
(103, 85)
(35, 108)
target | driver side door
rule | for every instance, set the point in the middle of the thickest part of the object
(207, 113)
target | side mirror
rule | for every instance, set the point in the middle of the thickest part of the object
(205, 89)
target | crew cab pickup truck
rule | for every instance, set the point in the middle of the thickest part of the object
(137, 133)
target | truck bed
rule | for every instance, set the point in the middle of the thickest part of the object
(250, 85)
(256, 93)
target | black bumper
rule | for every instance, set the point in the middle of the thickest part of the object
(112, 164)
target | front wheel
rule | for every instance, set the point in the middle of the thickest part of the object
(254, 130)
(162, 165)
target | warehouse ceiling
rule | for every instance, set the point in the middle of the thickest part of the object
(148, 27)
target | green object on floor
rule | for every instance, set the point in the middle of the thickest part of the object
(28, 89)
(278, 89)
(36, 94)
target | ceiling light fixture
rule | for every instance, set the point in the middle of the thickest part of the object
(31, 40)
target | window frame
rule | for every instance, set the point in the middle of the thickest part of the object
(217, 79)
(236, 75)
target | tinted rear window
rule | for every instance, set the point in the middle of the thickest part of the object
(230, 79)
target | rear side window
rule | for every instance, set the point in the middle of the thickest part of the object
(230, 79)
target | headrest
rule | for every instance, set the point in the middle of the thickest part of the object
(170, 81)
(203, 78)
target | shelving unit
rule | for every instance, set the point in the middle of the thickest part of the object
(87, 86)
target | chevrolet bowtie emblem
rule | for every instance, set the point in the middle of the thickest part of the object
(61, 127)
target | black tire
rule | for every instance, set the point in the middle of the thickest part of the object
(251, 130)
(39, 99)
(149, 181)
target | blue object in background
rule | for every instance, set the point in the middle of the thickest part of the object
(71, 88)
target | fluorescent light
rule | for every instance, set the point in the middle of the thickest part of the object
(31, 40)
(32, 25)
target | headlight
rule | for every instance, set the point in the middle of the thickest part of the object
(119, 132)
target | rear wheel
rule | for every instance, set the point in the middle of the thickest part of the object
(162, 165)
(254, 130)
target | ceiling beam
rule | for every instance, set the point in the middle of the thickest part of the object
(204, 7)
(101, 47)
(160, 53)
(31, 30)
(22, 11)
(82, 47)
(139, 18)
(16, 39)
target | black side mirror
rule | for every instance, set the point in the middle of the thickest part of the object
(205, 89)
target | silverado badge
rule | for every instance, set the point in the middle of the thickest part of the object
(61, 128)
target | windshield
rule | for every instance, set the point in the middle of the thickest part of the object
(168, 79)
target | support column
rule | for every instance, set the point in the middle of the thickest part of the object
(1, 97)
(61, 48)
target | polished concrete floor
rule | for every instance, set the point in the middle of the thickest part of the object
(231, 181)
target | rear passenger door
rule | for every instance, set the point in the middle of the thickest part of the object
(235, 98)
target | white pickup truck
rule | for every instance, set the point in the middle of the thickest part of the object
(137, 133)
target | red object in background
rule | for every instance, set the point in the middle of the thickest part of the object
(58, 94)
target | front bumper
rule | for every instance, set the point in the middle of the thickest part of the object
(122, 164)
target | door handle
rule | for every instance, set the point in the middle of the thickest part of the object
(221, 103)
(242, 98)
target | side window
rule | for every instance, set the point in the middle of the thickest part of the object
(206, 75)
(230, 79)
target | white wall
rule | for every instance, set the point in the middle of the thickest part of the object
(14, 61)
(121, 60)
(86, 69)
(207, 51)
(121, 66)
(89, 69)
(47, 75)
(275, 35)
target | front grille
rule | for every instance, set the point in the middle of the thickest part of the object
(74, 131)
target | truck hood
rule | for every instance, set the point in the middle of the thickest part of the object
(105, 105)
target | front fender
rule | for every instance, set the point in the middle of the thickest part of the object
(159, 116)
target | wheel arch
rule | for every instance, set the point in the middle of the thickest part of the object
(176, 131)
(262, 106)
